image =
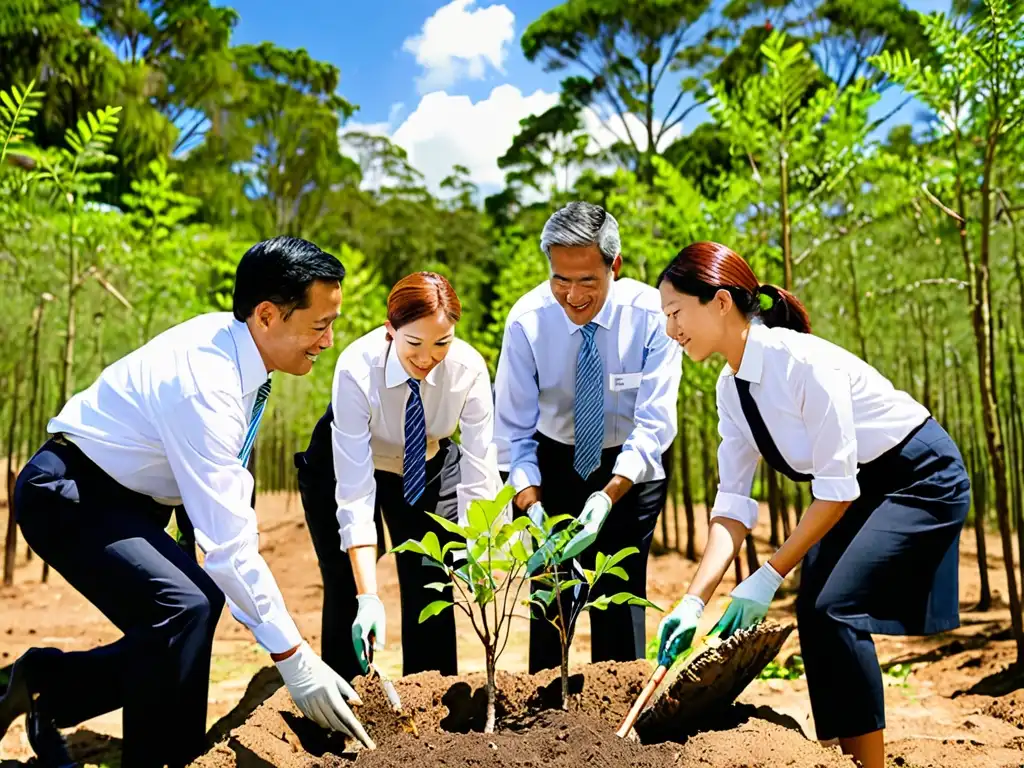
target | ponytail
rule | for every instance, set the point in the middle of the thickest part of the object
(778, 308)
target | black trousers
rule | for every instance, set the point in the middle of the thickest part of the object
(428, 646)
(889, 566)
(109, 543)
(617, 633)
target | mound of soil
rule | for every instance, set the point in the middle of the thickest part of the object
(532, 729)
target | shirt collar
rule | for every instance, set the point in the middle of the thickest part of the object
(395, 374)
(752, 363)
(603, 317)
(250, 362)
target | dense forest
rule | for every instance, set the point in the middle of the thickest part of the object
(142, 152)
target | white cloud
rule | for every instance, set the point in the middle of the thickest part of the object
(444, 130)
(460, 41)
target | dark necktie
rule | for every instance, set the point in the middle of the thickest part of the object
(765, 444)
(414, 462)
(254, 423)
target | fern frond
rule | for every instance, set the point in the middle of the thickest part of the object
(17, 108)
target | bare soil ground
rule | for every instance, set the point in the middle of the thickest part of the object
(954, 708)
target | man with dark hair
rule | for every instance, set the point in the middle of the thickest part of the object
(174, 423)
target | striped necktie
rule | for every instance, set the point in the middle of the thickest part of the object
(589, 405)
(254, 424)
(414, 463)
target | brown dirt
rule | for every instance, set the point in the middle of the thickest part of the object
(955, 709)
(449, 715)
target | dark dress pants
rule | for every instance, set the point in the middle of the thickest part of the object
(617, 633)
(428, 646)
(109, 543)
(890, 567)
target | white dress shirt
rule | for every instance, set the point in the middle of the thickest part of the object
(535, 385)
(368, 431)
(826, 409)
(168, 421)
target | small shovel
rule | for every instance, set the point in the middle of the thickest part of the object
(408, 724)
(656, 679)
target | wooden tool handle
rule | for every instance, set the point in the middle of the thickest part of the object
(641, 702)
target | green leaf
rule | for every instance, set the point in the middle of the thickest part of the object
(518, 551)
(451, 545)
(619, 598)
(431, 546)
(440, 586)
(551, 522)
(617, 571)
(546, 596)
(409, 546)
(476, 516)
(449, 526)
(433, 609)
(564, 585)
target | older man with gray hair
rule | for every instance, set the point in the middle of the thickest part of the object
(586, 393)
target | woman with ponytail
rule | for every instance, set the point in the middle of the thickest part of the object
(880, 539)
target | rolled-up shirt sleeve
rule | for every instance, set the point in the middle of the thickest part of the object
(517, 406)
(737, 462)
(479, 463)
(355, 487)
(828, 418)
(655, 416)
(201, 436)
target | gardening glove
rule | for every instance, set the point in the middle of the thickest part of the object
(595, 512)
(750, 601)
(544, 550)
(370, 619)
(320, 693)
(677, 629)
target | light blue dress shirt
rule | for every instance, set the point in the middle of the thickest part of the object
(535, 383)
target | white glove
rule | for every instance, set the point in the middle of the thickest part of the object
(370, 618)
(595, 512)
(320, 693)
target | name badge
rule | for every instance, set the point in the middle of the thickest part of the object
(621, 381)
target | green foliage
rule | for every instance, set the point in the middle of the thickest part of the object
(73, 171)
(791, 669)
(17, 109)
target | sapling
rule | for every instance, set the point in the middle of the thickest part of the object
(484, 570)
(552, 575)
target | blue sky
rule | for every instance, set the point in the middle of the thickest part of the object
(425, 71)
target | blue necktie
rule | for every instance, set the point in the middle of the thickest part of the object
(414, 464)
(589, 406)
(254, 424)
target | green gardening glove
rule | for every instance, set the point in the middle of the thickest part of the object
(750, 602)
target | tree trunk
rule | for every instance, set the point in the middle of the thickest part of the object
(752, 563)
(492, 691)
(787, 234)
(982, 321)
(67, 382)
(858, 323)
(11, 540)
(969, 446)
(784, 507)
(687, 489)
(773, 507)
(1015, 452)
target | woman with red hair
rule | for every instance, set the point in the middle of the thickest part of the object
(880, 539)
(382, 453)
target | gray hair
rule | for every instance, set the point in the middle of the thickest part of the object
(580, 224)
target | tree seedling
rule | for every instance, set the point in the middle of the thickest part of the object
(485, 578)
(556, 579)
